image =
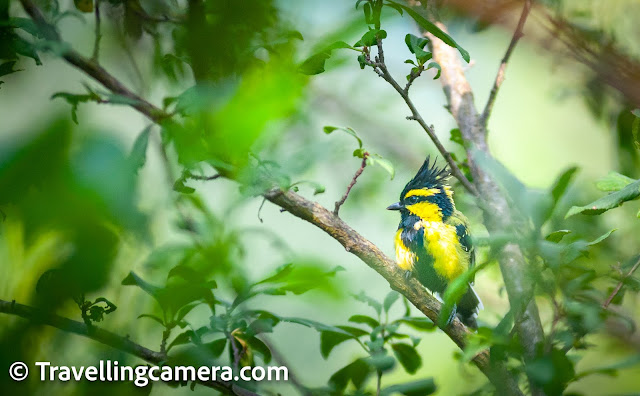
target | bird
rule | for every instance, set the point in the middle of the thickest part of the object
(432, 242)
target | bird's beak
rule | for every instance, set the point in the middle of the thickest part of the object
(395, 206)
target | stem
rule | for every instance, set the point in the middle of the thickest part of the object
(96, 43)
(379, 383)
(124, 344)
(350, 186)
(484, 118)
(618, 287)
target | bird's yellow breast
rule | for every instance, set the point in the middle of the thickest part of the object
(441, 242)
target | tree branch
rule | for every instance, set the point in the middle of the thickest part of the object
(108, 338)
(380, 67)
(371, 255)
(353, 183)
(503, 64)
(92, 68)
(514, 268)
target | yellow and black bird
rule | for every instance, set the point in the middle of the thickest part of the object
(433, 241)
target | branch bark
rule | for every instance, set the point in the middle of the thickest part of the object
(107, 338)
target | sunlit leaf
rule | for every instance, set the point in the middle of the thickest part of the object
(613, 200)
(557, 236)
(614, 181)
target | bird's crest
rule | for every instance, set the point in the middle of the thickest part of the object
(429, 176)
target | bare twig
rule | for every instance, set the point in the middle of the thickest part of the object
(353, 183)
(204, 178)
(618, 287)
(108, 338)
(380, 68)
(96, 43)
(484, 118)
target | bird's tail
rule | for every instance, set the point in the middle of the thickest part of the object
(468, 308)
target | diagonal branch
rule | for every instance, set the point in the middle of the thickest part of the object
(342, 200)
(371, 255)
(380, 67)
(503, 64)
(618, 287)
(108, 338)
(92, 68)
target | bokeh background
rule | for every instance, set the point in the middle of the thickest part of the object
(544, 121)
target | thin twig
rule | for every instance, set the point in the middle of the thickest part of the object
(353, 183)
(108, 338)
(484, 118)
(234, 349)
(618, 287)
(379, 383)
(380, 68)
(204, 178)
(96, 43)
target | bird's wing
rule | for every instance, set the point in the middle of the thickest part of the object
(460, 222)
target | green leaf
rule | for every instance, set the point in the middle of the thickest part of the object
(436, 66)
(281, 273)
(408, 357)
(561, 184)
(216, 347)
(181, 339)
(355, 372)
(613, 200)
(433, 29)
(7, 68)
(138, 155)
(260, 326)
(456, 136)
(601, 238)
(614, 181)
(552, 372)
(330, 339)
(422, 387)
(385, 164)
(134, 280)
(314, 64)
(259, 346)
(152, 317)
(557, 236)
(418, 323)
(390, 299)
(368, 320)
(369, 301)
(329, 129)
(371, 37)
(381, 362)
(416, 46)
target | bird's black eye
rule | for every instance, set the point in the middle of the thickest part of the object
(413, 199)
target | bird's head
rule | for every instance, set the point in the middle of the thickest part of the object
(427, 195)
